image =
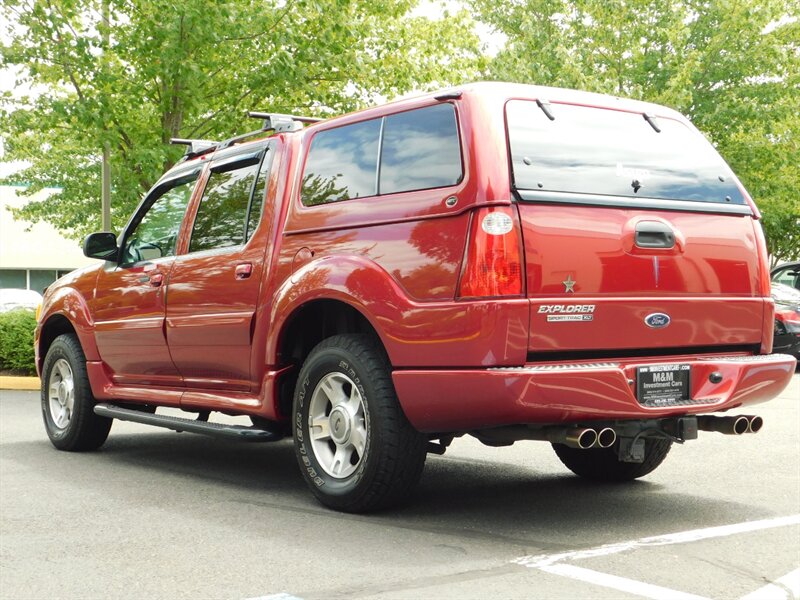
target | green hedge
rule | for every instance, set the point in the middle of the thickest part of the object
(16, 341)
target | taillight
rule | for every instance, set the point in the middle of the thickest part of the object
(763, 260)
(493, 265)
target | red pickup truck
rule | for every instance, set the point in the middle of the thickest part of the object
(505, 261)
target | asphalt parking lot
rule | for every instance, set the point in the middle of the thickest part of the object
(156, 514)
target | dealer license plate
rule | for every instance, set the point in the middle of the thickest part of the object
(663, 385)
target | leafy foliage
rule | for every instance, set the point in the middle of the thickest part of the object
(732, 67)
(16, 340)
(192, 69)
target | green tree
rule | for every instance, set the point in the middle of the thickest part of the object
(732, 66)
(192, 69)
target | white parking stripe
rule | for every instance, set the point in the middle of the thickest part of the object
(622, 584)
(543, 560)
(278, 596)
(787, 586)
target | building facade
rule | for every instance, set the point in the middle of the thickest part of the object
(32, 256)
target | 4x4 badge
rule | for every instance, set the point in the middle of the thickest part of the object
(569, 285)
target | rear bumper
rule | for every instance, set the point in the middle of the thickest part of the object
(462, 400)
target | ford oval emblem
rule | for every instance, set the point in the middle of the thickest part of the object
(657, 320)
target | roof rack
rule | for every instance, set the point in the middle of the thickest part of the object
(195, 147)
(277, 122)
(280, 122)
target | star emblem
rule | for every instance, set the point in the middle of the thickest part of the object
(569, 285)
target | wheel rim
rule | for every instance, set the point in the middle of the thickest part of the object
(61, 393)
(337, 425)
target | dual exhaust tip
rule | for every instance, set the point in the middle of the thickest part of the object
(730, 425)
(584, 437)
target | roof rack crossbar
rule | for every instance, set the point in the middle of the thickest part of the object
(270, 119)
(194, 147)
(238, 138)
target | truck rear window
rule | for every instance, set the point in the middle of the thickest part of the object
(588, 150)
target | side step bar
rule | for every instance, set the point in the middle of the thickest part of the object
(179, 424)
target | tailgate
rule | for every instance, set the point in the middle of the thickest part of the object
(592, 288)
(636, 233)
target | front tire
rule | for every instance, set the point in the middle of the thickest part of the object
(603, 464)
(355, 447)
(67, 400)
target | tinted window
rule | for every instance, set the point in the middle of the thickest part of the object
(222, 212)
(341, 163)
(13, 278)
(420, 150)
(259, 193)
(599, 151)
(789, 275)
(40, 279)
(156, 234)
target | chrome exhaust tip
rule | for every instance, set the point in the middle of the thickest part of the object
(741, 425)
(755, 423)
(727, 425)
(606, 437)
(580, 438)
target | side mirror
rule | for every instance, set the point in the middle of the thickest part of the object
(101, 245)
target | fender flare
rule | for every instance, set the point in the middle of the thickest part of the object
(355, 281)
(67, 302)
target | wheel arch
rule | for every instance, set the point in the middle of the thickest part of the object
(65, 312)
(55, 326)
(306, 326)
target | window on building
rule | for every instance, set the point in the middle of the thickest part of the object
(14, 278)
(41, 278)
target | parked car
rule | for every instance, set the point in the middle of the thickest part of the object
(505, 261)
(786, 294)
(13, 299)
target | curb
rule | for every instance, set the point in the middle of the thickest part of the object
(19, 383)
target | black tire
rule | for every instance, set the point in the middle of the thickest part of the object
(83, 429)
(602, 464)
(393, 456)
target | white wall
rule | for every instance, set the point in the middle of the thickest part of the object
(43, 247)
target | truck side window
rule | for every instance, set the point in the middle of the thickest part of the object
(221, 216)
(259, 193)
(156, 233)
(341, 163)
(420, 150)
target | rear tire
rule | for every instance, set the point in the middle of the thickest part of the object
(355, 447)
(602, 464)
(67, 400)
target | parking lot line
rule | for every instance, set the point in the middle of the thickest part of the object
(787, 586)
(631, 586)
(693, 535)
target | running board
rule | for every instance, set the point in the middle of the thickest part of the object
(179, 424)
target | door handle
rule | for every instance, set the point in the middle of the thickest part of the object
(156, 279)
(244, 270)
(653, 234)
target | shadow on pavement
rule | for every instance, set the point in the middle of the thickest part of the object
(502, 502)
